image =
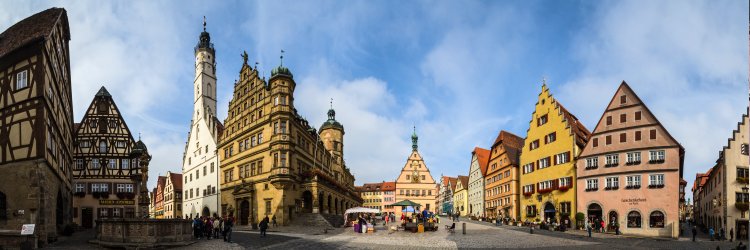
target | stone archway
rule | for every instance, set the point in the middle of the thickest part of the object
(594, 212)
(205, 212)
(307, 200)
(549, 212)
(612, 218)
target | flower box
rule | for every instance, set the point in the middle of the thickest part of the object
(80, 194)
(563, 188)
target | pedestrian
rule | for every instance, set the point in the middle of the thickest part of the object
(217, 225)
(711, 233)
(603, 226)
(196, 228)
(274, 221)
(209, 228)
(263, 226)
(228, 223)
(721, 234)
(695, 231)
(588, 227)
(731, 235)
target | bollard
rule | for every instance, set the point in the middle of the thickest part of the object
(463, 227)
(531, 229)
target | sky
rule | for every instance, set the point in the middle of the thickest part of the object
(460, 71)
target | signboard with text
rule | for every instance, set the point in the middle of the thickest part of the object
(27, 229)
(116, 202)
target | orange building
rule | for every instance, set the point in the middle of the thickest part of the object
(502, 177)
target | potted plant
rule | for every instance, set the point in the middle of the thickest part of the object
(580, 217)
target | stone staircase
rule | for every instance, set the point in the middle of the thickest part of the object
(318, 220)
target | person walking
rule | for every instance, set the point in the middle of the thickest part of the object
(603, 226)
(196, 228)
(273, 219)
(588, 227)
(721, 234)
(731, 235)
(263, 226)
(217, 225)
(711, 233)
(228, 223)
(209, 228)
(695, 231)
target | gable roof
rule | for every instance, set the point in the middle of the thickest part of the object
(372, 187)
(483, 156)
(581, 133)
(33, 28)
(511, 143)
(453, 182)
(388, 186)
(464, 181)
(176, 180)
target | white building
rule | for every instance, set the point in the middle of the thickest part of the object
(200, 166)
(477, 170)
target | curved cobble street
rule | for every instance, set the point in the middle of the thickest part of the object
(479, 235)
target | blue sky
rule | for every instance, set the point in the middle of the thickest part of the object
(461, 71)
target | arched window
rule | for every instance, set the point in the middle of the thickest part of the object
(656, 219)
(634, 219)
(3, 207)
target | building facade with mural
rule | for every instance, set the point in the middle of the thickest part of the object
(629, 173)
(110, 168)
(554, 139)
(273, 163)
(415, 182)
(502, 178)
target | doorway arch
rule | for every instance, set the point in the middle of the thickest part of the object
(612, 217)
(549, 211)
(205, 212)
(594, 212)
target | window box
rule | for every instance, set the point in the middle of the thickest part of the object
(655, 161)
(591, 189)
(742, 206)
(528, 193)
(633, 187)
(742, 180)
(125, 195)
(611, 165)
(80, 194)
(592, 167)
(633, 163)
(563, 188)
(611, 188)
(102, 195)
(544, 191)
(656, 186)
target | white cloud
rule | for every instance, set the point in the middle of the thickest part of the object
(686, 60)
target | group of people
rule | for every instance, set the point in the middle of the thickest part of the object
(600, 226)
(211, 227)
(716, 235)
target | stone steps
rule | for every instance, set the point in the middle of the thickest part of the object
(318, 220)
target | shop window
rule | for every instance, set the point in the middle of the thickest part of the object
(634, 219)
(656, 220)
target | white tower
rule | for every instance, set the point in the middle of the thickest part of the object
(200, 166)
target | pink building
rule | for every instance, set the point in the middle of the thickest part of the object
(630, 170)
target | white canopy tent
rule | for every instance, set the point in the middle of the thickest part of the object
(360, 210)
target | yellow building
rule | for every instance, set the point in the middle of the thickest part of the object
(372, 195)
(415, 183)
(554, 140)
(273, 163)
(461, 196)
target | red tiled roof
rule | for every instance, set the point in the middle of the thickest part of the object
(581, 133)
(512, 144)
(389, 186)
(372, 187)
(453, 182)
(176, 181)
(33, 28)
(483, 156)
(464, 181)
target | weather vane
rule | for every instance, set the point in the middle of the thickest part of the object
(282, 58)
(331, 103)
(204, 23)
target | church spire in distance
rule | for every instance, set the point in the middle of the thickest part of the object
(414, 139)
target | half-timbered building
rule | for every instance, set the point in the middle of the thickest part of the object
(108, 170)
(36, 127)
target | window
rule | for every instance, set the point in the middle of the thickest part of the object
(656, 219)
(652, 134)
(85, 144)
(656, 156)
(543, 163)
(534, 145)
(79, 163)
(612, 183)
(80, 187)
(22, 80)
(742, 173)
(608, 139)
(656, 180)
(212, 167)
(541, 120)
(741, 197)
(528, 189)
(633, 158)
(562, 158)
(268, 207)
(125, 163)
(744, 149)
(531, 211)
(112, 164)
(623, 137)
(623, 99)
(228, 176)
(102, 147)
(197, 173)
(528, 168)
(633, 181)
(95, 163)
(566, 182)
(260, 138)
(551, 137)
(623, 118)
(612, 160)
(592, 184)
(634, 219)
(592, 162)
(204, 170)
(596, 142)
(638, 118)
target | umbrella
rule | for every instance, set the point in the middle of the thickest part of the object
(407, 203)
(408, 209)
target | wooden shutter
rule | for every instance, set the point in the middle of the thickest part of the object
(88, 188)
(555, 160)
(637, 135)
(596, 142)
(653, 134)
(532, 166)
(567, 154)
(637, 115)
(608, 139)
(623, 137)
(609, 120)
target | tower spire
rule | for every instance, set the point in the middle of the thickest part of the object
(281, 58)
(204, 23)
(414, 139)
